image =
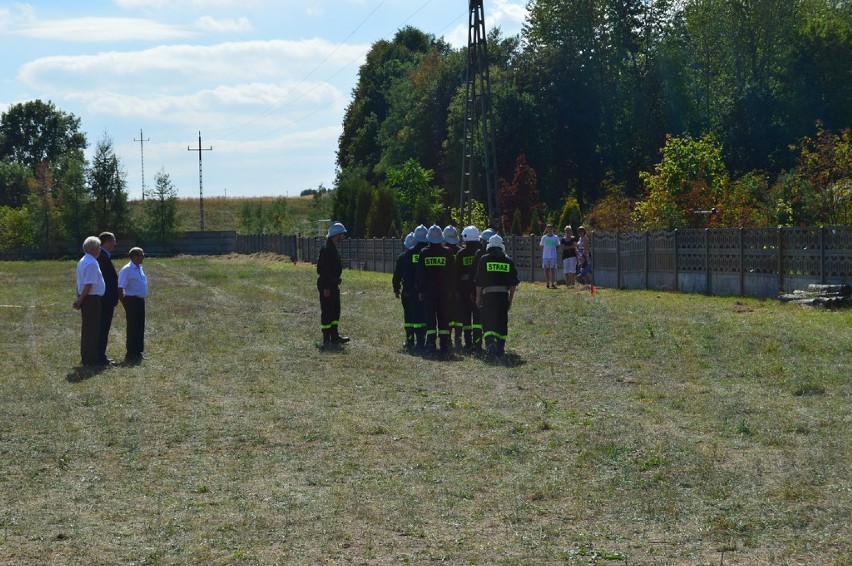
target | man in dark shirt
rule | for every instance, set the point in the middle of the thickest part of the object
(110, 298)
(467, 291)
(403, 288)
(496, 280)
(329, 270)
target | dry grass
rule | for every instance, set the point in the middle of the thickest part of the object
(627, 427)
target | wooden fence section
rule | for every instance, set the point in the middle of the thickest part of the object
(755, 262)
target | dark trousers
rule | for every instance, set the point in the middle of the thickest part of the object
(437, 307)
(107, 312)
(495, 320)
(134, 310)
(470, 318)
(90, 330)
(408, 316)
(329, 312)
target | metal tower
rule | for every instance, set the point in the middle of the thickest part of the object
(478, 117)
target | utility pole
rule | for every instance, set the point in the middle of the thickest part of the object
(200, 183)
(478, 114)
(142, 141)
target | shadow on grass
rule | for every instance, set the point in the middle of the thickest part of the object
(80, 374)
(506, 360)
(331, 348)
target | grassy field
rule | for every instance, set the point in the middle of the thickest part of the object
(625, 428)
(224, 213)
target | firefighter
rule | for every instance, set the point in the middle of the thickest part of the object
(435, 283)
(451, 242)
(471, 325)
(496, 281)
(329, 270)
(418, 309)
(403, 289)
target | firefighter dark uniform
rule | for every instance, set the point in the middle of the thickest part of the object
(404, 290)
(451, 242)
(496, 280)
(471, 325)
(329, 270)
(435, 279)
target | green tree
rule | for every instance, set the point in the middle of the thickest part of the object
(161, 217)
(44, 212)
(37, 132)
(517, 228)
(478, 216)
(108, 187)
(73, 196)
(417, 199)
(251, 217)
(825, 167)
(16, 229)
(690, 177)
(14, 184)
(521, 195)
(381, 220)
(570, 214)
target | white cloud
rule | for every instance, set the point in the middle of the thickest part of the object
(208, 23)
(172, 4)
(184, 66)
(94, 29)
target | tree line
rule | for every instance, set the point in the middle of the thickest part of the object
(51, 194)
(625, 114)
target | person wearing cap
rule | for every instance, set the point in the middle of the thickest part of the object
(329, 270)
(90, 290)
(496, 281)
(403, 288)
(451, 242)
(584, 256)
(469, 313)
(549, 245)
(132, 290)
(435, 284)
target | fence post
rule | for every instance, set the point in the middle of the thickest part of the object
(707, 284)
(779, 246)
(742, 263)
(647, 241)
(677, 274)
(532, 258)
(617, 260)
(822, 277)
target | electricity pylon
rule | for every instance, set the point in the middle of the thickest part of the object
(478, 119)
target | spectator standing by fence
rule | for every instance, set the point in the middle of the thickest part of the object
(549, 245)
(569, 257)
(132, 291)
(90, 289)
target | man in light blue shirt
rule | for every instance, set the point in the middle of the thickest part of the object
(132, 290)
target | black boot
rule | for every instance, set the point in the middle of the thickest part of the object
(445, 344)
(409, 339)
(326, 337)
(336, 338)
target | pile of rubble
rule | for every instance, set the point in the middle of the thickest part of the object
(829, 296)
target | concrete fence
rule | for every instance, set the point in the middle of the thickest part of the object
(753, 262)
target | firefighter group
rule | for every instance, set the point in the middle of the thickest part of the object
(456, 290)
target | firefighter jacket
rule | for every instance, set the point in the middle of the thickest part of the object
(495, 271)
(329, 266)
(436, 271)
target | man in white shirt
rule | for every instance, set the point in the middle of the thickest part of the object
(132, 290)
(90, 289)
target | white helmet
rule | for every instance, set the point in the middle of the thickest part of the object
(335, 229)
(435, 235)
(420, 234)
(470, 234)
(451, 235)
(486, 234)
(496, 242)
(410, 242)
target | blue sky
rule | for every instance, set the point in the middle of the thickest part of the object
(265, 82)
